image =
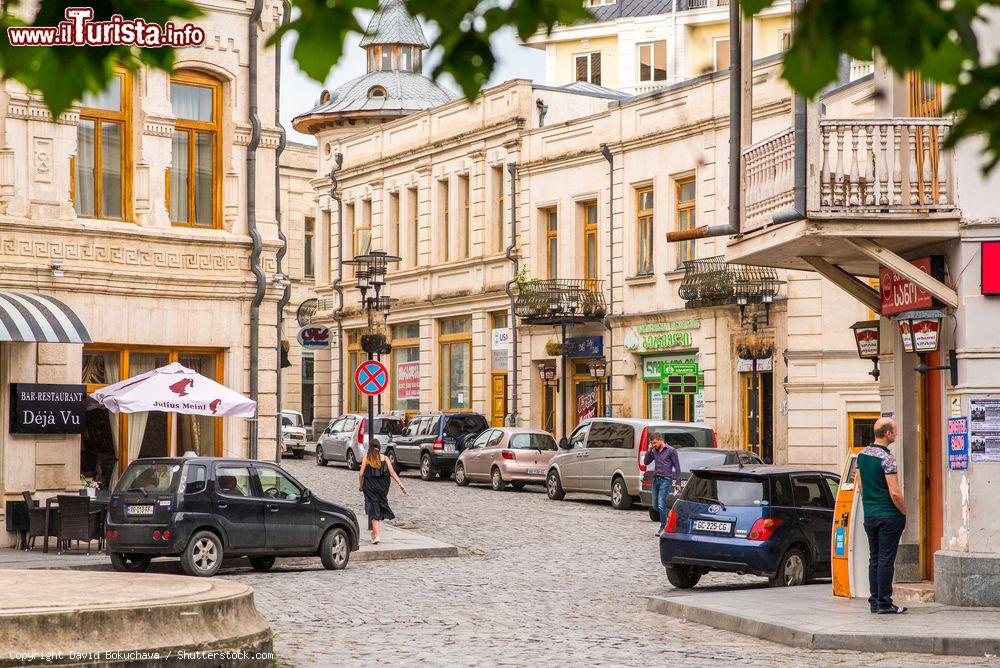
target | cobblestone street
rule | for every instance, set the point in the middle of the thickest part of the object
(537, 583)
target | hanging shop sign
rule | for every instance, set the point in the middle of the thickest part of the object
(920, 330)
(501, 349)
(584, 346)
(661, 335)
(900, 294)
(408, 381)
(314, 336)
(984, 430)
(47, 408)
(653, 366)
(958, 443)
(681, 378)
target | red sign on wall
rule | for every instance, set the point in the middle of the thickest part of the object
(899, 294)
(408, 380)
(991, 267)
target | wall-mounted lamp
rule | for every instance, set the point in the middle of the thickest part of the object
(56, 267)
(280, 280)
(921, 333)
(866, 337)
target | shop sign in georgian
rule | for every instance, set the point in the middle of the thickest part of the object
(661, 335)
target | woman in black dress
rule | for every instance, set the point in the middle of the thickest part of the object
(374, 479)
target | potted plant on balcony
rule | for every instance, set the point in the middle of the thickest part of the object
(754, 346)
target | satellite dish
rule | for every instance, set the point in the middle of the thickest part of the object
(307, 310)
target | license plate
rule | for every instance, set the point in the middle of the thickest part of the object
(534, 471)
(714, 527)
(138, 510)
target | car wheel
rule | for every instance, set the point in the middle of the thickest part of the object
(683, 577)
(203, 555)
(518, 486)
(130, 563)
(620, 498)
(427, 469)
(460, 478)
(391, 454)
(320, 459)
(793, 569)
(335, 549)
(496, 480)
(352, 461)
(654, 514)
(262, 563)
(553, 486)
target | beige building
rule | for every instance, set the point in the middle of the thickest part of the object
(134, 216)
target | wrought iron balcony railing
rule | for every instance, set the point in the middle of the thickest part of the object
(714, 282)
(550, 301)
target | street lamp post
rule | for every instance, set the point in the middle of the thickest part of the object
(371, 277)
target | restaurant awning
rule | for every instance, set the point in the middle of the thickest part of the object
(26, 316)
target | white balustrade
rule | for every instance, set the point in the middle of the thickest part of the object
(769, 181)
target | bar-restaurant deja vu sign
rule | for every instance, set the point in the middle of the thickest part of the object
(900, 294)
(47, 409)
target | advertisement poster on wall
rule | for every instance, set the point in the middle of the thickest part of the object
(408, 380)
(984, 430)
(958, 443)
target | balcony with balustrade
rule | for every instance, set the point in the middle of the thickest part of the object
(869, 182)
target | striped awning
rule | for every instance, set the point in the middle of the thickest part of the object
(26, 316)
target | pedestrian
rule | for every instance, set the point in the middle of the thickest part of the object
(373, 481)
(666, 476)
(885, 515)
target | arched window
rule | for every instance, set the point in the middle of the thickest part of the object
(101, 178)
(376, 91)
(194, 182)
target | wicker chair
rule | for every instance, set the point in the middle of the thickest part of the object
(79, 522)
(36, 520)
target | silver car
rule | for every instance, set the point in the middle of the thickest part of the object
(346, 439)
(604, 456)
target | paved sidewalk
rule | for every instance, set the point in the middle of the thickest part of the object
(811, 617)
(396, 543)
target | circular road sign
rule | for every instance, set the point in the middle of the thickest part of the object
(371, 377)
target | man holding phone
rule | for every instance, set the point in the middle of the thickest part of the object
(666, 476)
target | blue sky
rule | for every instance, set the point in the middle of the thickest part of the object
(299, 93)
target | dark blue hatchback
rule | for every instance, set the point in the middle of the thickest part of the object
(772, 521)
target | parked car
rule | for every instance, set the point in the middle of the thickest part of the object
(501, 456)
(604, 456)
(432, 442)
(346, 439)
(693, 458)
(293, 434)
(204, 509)
(772, 521)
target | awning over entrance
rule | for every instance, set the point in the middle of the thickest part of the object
(26, 316)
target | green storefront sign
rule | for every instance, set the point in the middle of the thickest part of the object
(681, 378)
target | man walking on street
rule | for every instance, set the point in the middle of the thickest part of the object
(667, 475)
(885, 515)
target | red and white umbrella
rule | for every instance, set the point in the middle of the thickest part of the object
(174, 389)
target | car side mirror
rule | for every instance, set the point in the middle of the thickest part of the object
(564, 443)
(306, 495)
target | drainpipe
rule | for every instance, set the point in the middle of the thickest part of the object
(735, 141)
(512, 170)
(286, 295)
(251, 202)
(606, 152)
(799, 111)
(339, 161)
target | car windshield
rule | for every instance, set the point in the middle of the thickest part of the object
(725, 489)
(532, 442)
(150, 478)
(388, 426)
(697, 460)
(291, 420)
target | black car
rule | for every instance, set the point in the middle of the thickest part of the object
(693, 458)
(204, 508)
(433, 441)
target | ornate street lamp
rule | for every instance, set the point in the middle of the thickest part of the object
(921, 330)
(866, 337)
(598, 368)
(547, 372)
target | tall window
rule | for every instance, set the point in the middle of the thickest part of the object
(551, 242)
(644, 231)
(196, 152)
(443, 197)
(309, 247)
(465, 234)
(685, 218)
(588, 67)
(498, 214)
(363, 229)
(721, 46)
(653, 61)
(455, 356)
(406, 367)
(394, 221)
(354, 357)
(590, 240)
(101, 177)
(406, 58)
(414, 248)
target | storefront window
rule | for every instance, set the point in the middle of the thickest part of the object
(406, 367)
(354, 358)
(455, 355)
(101, 440)
(196, 433)
(146, 433)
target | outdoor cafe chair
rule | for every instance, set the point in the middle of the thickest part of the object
(79, 521)
(36, 520)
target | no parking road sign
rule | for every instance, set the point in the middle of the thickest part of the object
(371, 377)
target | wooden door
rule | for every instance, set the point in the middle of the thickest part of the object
(925, 102)
(931, 467)
(499, 394)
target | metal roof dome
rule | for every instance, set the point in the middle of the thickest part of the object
(393, 24)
